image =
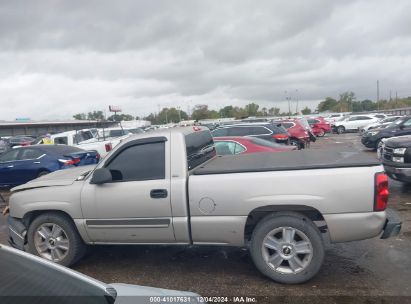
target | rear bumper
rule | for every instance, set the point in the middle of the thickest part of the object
(392, 225)
(346, 227)
(17, 233)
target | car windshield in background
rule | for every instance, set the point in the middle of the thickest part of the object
(199, 147)
(82, 136)
(287, 125)
(265, 143)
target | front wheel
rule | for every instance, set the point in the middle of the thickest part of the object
(287, 248)
(53, 236)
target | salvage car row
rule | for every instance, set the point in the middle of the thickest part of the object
(27, 160)
(341, 197)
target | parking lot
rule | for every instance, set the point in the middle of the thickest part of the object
(369, 269)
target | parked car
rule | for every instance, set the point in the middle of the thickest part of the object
(380, 124)
(86, 140)
(336, 117)
(268, 131)
(280, 205)
(232, 145)
(299, 136)
(400, 127)
(396, 158)
(319, 126)
(354, 123)
(115, 132)
(26, 278)
(20, 165)
(21, 140)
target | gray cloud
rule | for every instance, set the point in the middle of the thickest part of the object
(62, 57)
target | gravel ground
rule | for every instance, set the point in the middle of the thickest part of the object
(370, 271)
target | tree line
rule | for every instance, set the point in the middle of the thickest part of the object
(346, 102)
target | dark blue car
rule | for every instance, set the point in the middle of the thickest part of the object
(20, 165)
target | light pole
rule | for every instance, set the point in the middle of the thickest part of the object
(296, 108)
(289, 105)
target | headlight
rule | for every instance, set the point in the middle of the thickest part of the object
(400, 150)
(372, 133)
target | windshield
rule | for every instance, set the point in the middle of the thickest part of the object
(396, 123)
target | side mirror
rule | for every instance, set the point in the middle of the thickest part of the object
(101, 176)
(401, 127)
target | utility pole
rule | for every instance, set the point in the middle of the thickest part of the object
(378, 95)
(296, 108)
(289, 106)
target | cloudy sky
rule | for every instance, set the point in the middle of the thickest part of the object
(58, 58)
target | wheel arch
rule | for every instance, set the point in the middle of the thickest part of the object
(28, 218)
(257, 214)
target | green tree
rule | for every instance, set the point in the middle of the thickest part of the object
(95, 115)
(327, 104)
(306, 111)
(80, 116)
(200, 112)
(252, 109)
(274, 111)
(227, 111)
(121, 117)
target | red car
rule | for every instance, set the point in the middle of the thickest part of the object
(232, 145)
(319, 126)
(299, 136)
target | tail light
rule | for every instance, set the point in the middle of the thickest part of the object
(69, 162)
(280, 136)
(381, 192)
(108, 147)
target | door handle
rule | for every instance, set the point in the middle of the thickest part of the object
(10, 166)
(36, 162)
(158, 193)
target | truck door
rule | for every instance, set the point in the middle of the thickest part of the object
(135, 207)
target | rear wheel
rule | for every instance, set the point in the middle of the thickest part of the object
(340, 129)
(321, 133)
(287, 248)
(53, 236)
(295, 142)
(44, 172)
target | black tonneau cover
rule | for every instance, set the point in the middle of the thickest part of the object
(294, 160)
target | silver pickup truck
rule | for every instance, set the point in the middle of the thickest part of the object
(169, 187)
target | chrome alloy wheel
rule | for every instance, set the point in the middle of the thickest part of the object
(51, 242)
(287, 250)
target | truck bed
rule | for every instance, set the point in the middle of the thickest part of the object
(296, 160)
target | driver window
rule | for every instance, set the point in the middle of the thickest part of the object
(139, 162)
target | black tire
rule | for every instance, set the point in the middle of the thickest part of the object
(340, 129)
(43, 172)
(76, 247)
(322, 133)
(295, 142)
(301, 224)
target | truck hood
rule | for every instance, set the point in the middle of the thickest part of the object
(399, 142)
(58, 178)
